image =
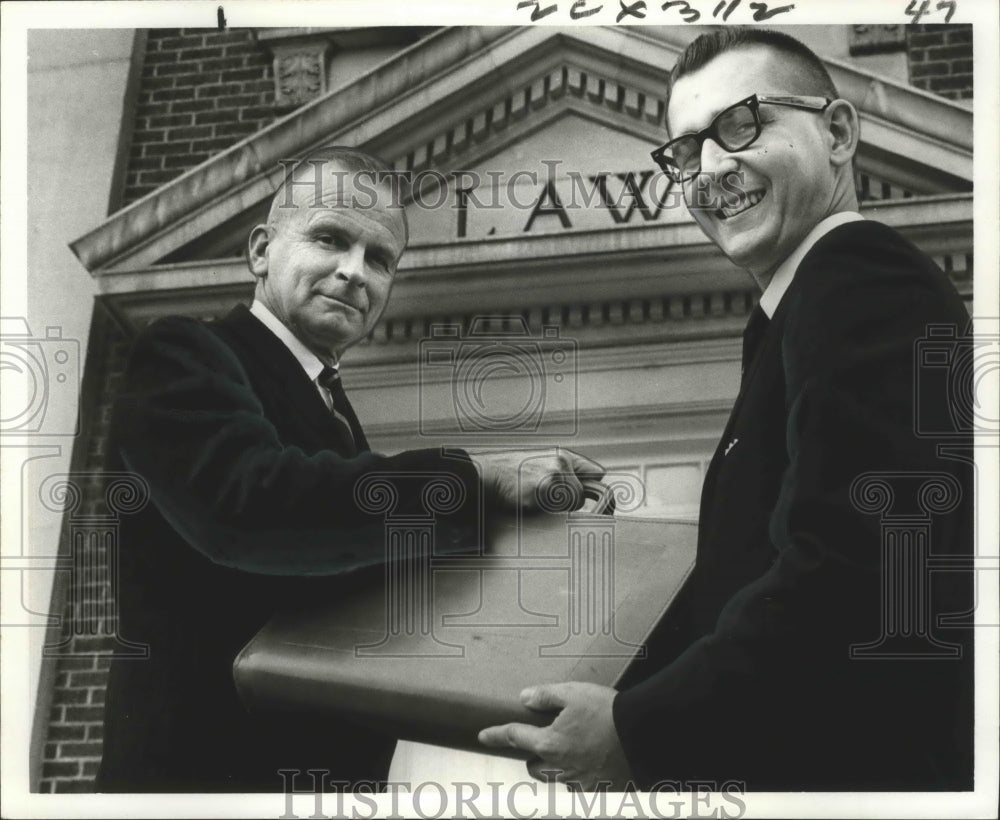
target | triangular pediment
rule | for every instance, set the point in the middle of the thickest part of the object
(506, 101)
(573, 171)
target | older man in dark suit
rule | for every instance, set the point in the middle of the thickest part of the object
(759, 674)
(252, 452)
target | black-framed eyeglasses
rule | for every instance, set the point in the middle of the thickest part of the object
(733, 129)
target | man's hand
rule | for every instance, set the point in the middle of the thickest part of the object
(536, 479)
(580, 745)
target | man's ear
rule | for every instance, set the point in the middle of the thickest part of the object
(260, 238)
(843, 131)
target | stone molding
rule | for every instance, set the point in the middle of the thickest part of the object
(302, 57)
(569, 81)
(665, 271)
(397, 111)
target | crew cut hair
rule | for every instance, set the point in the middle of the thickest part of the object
(350, 159)
(814, 80)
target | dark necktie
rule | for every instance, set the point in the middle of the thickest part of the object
(752, 337)
(329, 378)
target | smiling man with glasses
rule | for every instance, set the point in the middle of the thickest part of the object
(769, 671)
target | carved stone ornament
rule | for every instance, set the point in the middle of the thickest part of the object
(299, 73)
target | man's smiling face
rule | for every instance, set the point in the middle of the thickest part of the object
(787, 181)
(325, 267)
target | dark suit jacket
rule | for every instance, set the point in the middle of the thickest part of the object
(252, 509)
(750, 677)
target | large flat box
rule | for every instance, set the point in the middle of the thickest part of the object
(443, 648)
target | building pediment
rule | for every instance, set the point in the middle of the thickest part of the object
(534, 199)
(509, 101)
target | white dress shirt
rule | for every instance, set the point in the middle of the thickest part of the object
(783, 276)
(310, 362)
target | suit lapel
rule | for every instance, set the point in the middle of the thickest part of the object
(269, 358)
(765, 350)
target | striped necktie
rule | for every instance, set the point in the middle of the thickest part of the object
(329, 379)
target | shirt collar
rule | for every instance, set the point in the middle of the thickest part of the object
(783, 276)
(310, 362)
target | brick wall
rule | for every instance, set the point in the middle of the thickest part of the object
(201, 91)
(73, 743)
(940, 59)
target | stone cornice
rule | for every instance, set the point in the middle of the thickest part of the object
(940, 223)
(397, 110)
(661, 295)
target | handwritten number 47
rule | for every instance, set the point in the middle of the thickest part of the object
(918, 13)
